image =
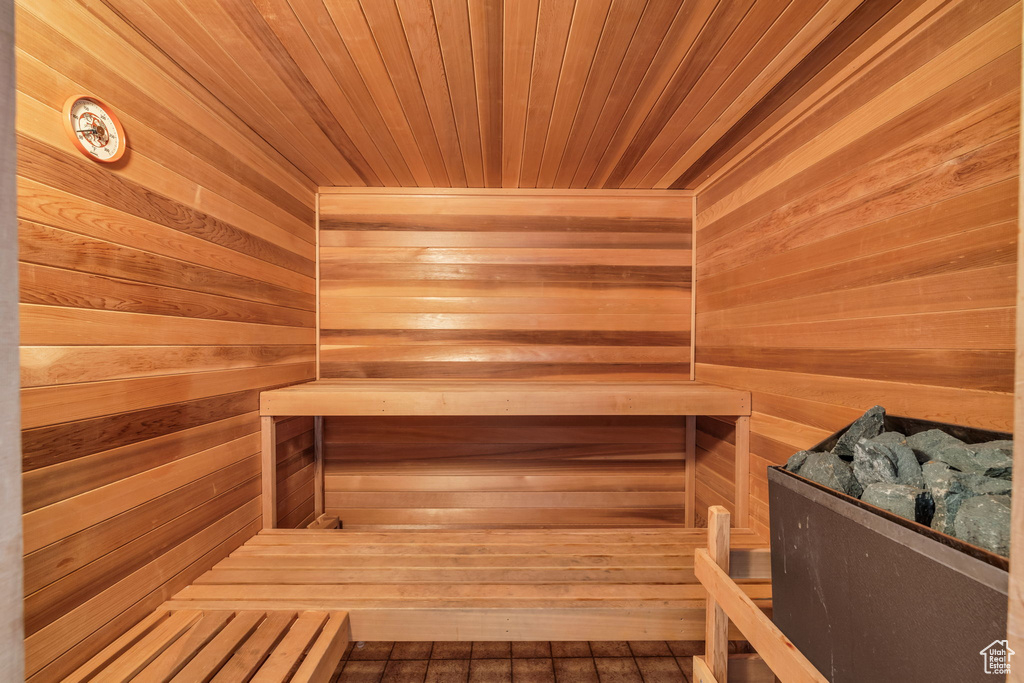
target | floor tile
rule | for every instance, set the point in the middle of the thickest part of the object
(490, 671)
(610, 649)
(491, 650)
(379, 650)
(535, 670)
(618, 670)
(648, 648)
(405, 671)
(337, 669)
(659, 670)
(686, 664)
(362, 672)
(448, 671)
(575, 670)
(451, 650)
(686, 648)
(411, 651)
(570, 648)
(531, 649)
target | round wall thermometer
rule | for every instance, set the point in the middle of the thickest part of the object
(94, 129)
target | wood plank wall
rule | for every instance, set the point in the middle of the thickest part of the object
(505, 285)
(862, 250)
(158, 297)
(295, 465)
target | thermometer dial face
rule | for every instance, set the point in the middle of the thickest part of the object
(94, 129)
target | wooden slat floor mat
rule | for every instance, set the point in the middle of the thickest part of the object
(502, 585)
(224, 646)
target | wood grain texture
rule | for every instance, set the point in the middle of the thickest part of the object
(494, 93)
(295, 464)
(521, 584)
(521, 286)
(140, 466)
(862, 251)
(412, 284)
(1015, 597)
(224, 645)
(507, 471)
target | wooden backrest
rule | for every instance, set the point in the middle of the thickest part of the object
(505, 285)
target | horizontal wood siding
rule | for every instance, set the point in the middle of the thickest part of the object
(505, 471)
(295, 464)
(862, 251)
(509, 286)
(159, 295)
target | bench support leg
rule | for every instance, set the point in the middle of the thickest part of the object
(318, 467)
(742, 492)
(268, 433)
(690, 471)
(716, 634)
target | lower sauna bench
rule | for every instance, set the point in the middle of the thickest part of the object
(225, 646)
(503, 585)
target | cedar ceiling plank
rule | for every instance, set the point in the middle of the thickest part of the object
(385, 25)
(726, 17)
(486, 20)
(453, 31)
(421, 35)
(647, 43)
(844, 35)
(362, 74)
(620, 30)
(553, 21)
(251, 23)
(346, 106)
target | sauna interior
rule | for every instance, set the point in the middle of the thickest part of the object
(328, 321)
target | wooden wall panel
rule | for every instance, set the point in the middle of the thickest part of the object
(513, 286)
(295, 463)
(159, 295)
(505, 472)
(863, 251)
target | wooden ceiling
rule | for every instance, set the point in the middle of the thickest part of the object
(486, 93)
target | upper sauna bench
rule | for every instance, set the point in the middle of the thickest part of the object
(501, 397)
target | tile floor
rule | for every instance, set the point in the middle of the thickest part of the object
(490, 662)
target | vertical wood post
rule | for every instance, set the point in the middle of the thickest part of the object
(716, 633)
(316, 284)
(268, 434)
(691, 470)
(318, 467)
(741, 503)
(1015, 608)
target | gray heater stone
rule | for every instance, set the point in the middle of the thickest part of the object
(869, 596)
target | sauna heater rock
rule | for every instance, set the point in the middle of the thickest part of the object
(869, 596)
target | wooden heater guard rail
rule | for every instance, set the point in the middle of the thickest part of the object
(727, 601)
(475, 397)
